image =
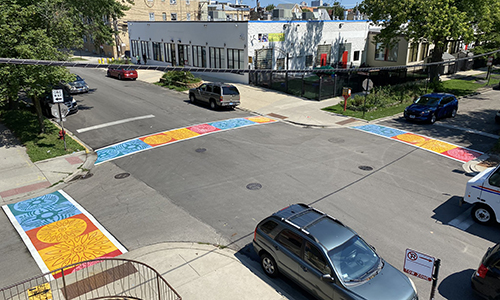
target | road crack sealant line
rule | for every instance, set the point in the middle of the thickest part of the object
(151, 141)
(442, 148)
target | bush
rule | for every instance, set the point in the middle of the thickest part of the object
(385, 96)
(172, 77)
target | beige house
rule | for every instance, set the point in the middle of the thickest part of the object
(146, 10)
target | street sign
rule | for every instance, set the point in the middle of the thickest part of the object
(55, 110)
(419, 264)
(367, 84)
(57, 96)
(490, 61)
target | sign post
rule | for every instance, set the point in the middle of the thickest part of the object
(58, 97)
(367, 86)
(346, 92)
(422, 266)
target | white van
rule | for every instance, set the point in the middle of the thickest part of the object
(484, 192)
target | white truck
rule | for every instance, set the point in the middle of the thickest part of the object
(483, 191)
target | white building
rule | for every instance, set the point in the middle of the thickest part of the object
(252, 44)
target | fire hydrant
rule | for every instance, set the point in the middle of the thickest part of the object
(61, 134)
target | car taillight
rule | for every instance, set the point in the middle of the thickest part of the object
(220, 98)
(481, 272)
(255, 233)
(284, 208)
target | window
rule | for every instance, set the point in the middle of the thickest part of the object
(183, 55)
(217, 59)
(495, 178)
(151, 16)
(188, 17)
(386, 53)
(413, 52)
(169, 49)
(268, 226)
(313, 256)
(145, 49)
(173, 2)
(157, 51)
(309, 60)
(235, 59)
(424, 52)
(217, 90)
(164, 16)
(356, 55)
(199, 56)
(187, 2)
(291, 241)
(173, 17)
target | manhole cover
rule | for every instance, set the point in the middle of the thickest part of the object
(365, 168)
(200, 150)
(336, 140)
(254, 186)
(122, 175)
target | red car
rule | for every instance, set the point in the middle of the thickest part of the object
(122, 73)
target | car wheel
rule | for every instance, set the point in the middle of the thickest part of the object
(213, 105)
(433, 119)
(192, 98)
(268, 265)
(120, 76)
(453, 113)
(108, 74)
(134, 78)
(482, 214)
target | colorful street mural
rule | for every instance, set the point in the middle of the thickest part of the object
(442, 148)
(172, 136)
(59, 232)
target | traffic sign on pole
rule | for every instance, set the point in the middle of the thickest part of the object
(419, 264)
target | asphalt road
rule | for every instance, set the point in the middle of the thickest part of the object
(394, 195)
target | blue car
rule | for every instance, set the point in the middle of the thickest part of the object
(431, 107)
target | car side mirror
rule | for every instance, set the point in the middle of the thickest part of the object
(327, 278)
(373, 248)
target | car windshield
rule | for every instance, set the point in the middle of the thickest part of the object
(429, 101)
(354, 260)
(230, 90)
(78, 78)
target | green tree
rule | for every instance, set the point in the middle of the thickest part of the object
(270, 7)
(336, 11)
(436, 21)
(45, 30)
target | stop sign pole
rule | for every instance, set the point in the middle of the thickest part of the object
(62, 125)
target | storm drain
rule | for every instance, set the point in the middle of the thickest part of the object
(200, 150)
(122, 175)
(84, 176)
(365, 168)
(254, 186)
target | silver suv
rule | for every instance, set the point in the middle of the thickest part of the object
(326, 257)
(216, 94)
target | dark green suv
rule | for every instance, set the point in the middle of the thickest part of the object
(326, 257)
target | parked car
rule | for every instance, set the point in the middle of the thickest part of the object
(431, 107)
(326, 257)
(486, 280)
(46, 100)
(122, 73)
(216, 94)
(483, 191)
(77, 86)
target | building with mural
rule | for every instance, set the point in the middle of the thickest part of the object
(277, 45)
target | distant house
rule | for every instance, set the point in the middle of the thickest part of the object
(287, 11)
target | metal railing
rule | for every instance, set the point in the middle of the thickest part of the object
(108, 278)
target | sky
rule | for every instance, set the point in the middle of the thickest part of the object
(264, 3)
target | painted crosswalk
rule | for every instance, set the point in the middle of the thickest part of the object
(445, 149)
(172, 136)
(58, 232)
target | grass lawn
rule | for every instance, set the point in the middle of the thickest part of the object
(371, 115)
(24, 125)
